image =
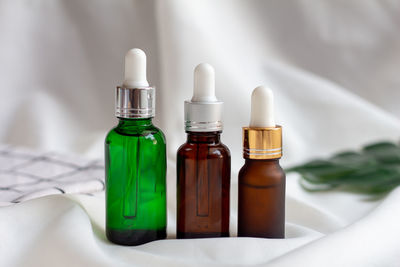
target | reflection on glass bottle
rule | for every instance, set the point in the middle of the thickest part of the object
(203, 165)
(203, 180)
(136, 186)
(135, 157)
(131, 189)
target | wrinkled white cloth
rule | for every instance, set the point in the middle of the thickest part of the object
(26, 174)
(333, 67)
(69, 231)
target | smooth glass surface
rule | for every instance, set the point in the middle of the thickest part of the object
(135, 155)
(203, 186)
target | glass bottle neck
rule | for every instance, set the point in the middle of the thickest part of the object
(124, 122)
(204, 137)
(262, 161)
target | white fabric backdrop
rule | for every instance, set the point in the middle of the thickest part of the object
(333, 67)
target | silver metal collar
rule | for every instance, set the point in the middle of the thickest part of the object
(203, 116)
(135, 102)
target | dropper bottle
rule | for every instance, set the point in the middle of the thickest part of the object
(135, 161)
(261, 207)
(203, 164)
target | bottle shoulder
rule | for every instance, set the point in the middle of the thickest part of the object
(111, 134)
(217, 150)
(258, 172)
(159, 132)
(148, 132)
(225, 147)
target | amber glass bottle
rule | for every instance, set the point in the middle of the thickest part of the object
(203, 164)
(261, 207)
(203, 180)
(261, 199)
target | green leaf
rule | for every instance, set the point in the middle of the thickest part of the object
(384, 152)
(353, 159)
(373, 170)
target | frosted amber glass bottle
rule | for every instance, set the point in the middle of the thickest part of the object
(261, 199)
(261, 207)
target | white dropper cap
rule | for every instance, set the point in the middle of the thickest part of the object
(135, 99)
(203, 113)
(135, 69)
(262, 108)
(204, 84)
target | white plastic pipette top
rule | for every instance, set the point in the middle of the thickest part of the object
(135, 69)
(135, 98)
(262, 108)
(204, 84)
(203, 113)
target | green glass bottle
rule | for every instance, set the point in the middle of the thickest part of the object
(135, 161)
